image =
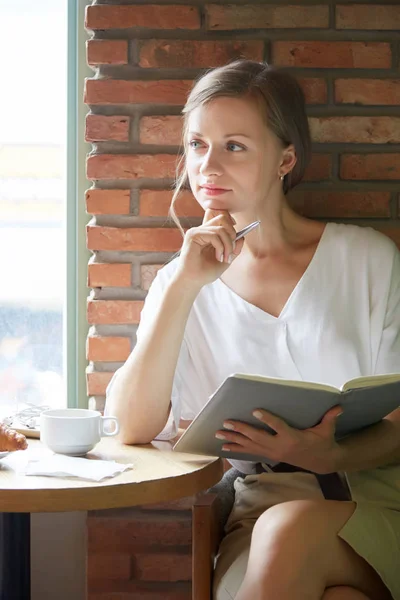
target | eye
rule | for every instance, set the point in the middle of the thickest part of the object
(193, 142)
(237, 145)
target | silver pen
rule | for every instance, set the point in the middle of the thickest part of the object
(246, 230)
(239, 235)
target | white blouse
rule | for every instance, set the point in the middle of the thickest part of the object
(341, 321)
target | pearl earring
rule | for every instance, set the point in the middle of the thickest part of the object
(281, 177)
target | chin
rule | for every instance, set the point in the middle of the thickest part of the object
(213, 203)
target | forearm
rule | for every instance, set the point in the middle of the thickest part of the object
(373, 447)
(141, 393)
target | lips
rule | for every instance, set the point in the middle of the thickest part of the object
(214, 187)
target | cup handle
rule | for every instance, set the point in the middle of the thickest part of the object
(105, 433)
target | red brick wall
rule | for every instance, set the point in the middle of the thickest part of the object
(144, 57)
(140, 554)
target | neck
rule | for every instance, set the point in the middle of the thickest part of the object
(274, 235)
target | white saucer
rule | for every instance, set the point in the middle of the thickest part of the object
(3, 454)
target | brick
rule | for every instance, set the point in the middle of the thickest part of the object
(197, 54)
(150, 16)
(138, 532)
(358, 130)
(115, 91)
(134, 590)
(109, 566)
(108, 348)
(100, 128)
(147, 275)
(107, 52)
(374, 16)
(166, 130)
(162, 566)
(108, 202)
(370, 166)
(133, 239)
(109, 275)
(254, 16)
(130, 166)
(332, 55)
(340, 204)
(97, 382)
(156, 203)
(114, 312)
(319, 169)
(315, 90)
(161, 130)
(368, 91)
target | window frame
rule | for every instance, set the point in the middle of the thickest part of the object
(75, 322)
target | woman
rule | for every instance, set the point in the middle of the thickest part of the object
(296, 299)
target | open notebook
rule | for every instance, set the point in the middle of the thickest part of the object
(301, 404)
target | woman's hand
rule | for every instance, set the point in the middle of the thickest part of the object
(314, 449)
(206, 250)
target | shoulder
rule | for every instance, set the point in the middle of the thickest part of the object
(364, 242)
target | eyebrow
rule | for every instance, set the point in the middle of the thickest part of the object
(225, 136)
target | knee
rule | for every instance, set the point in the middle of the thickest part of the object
(288, 519)
(288, 529)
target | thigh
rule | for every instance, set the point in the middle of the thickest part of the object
(309, 530)
(254, 494)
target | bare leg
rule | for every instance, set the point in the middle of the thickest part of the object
(341, 592)
(296, 553)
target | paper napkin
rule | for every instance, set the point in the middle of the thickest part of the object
(59, 465)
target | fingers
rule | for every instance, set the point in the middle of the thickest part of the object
(203, 237)
(211, 214)
(272, 421)
(224, 242)
(328, 421)
(238, 432)
(220, 218)
(224, 219)
(227, 238)
(221, 224)
(245, 438)
(238, 247)
(216, 236)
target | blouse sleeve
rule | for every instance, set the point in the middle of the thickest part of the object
(151, 304)
(388, 359)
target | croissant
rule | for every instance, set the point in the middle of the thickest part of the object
(11, 440)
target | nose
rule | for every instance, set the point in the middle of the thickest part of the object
(210, 165)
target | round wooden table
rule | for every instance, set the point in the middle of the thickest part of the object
(158, 475)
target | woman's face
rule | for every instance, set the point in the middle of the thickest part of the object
(230, 146)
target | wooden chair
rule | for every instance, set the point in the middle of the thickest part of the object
(210, 512)
(206, 536)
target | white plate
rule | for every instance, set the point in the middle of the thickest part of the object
(3, 454)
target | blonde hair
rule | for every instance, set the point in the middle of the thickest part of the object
(282, 104)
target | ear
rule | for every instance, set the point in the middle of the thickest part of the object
(289, 159)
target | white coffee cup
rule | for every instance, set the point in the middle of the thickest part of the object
(74, 431)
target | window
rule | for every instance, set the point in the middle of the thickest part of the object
(33, 192)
